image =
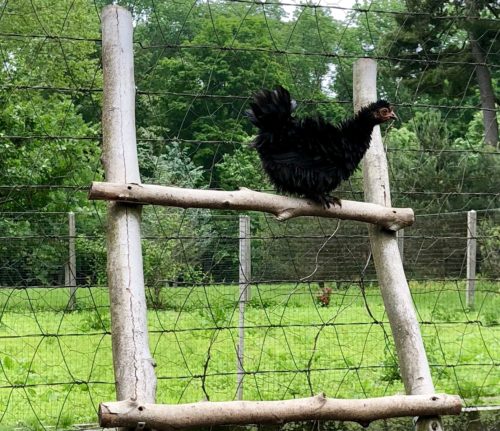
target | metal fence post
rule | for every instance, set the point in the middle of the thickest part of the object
(400, 235)
(70, 267)
(471, 257)
(244, 281)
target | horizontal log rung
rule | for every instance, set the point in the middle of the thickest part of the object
(282, 207)
(131, 413)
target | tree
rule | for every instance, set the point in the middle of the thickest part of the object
(424, 161)
(45, 139)
(188, 85)
(476, 33)
(168, 257)
(443, 44)
(37, 127)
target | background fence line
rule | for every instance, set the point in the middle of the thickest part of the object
(453, 254)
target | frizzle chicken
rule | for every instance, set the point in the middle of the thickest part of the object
(310, 157)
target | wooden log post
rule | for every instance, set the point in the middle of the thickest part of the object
(206, 414)
(133, 366)
(413, 363)
(245, 257)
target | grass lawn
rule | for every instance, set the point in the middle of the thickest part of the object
(57, 365)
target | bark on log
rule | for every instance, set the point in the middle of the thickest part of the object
(170, 417)
(282, 207)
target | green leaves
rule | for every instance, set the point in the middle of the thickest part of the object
(425, 158)
(242, 169)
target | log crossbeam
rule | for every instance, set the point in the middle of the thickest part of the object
(282, 207)
(133, 414)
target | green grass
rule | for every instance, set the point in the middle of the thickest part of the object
(57, 365)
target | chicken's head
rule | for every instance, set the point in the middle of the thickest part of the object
(382, 111)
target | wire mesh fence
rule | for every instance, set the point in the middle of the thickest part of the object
(314, 319)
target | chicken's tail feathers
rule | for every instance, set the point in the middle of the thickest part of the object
(271, 110)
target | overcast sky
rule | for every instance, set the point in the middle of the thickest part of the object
(336, 13)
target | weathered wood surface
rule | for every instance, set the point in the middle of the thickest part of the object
(413, 363)
(282, 207)
(203, 414)
(132, 361)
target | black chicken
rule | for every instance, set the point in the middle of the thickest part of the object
(310, 157)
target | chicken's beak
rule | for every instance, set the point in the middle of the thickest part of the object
(393, 116)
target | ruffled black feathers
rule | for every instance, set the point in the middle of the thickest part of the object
(310, 157)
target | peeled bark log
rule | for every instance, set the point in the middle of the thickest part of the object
(282, 207)
(132, 361)
(203, 414)
(415, 371)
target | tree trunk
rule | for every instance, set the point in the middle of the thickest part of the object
(483, 75)
(486, 92)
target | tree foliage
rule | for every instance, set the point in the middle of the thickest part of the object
(445, 50)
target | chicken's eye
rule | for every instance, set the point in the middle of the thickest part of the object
(384, 111)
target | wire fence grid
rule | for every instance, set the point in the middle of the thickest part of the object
(314, 318)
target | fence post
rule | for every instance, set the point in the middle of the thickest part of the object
(245, 257)
(132, 362)
(70, 267)
(415, 371)
(400, 235)
(471, 257)
(245, 272)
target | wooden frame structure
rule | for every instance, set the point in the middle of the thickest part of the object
(133, 365)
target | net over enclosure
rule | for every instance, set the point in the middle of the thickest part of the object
(314, 320)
